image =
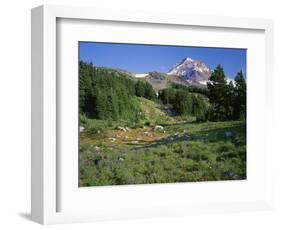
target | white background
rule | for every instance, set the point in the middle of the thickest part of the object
(15, 113)
(184, 196)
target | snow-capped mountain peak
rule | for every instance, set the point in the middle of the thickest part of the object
(188, 59)
(191, 70)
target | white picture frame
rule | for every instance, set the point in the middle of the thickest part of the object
(47, 175)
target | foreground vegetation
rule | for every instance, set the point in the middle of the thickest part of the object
(184, 152)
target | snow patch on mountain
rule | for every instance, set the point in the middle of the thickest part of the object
(140, 75)
(203, 82)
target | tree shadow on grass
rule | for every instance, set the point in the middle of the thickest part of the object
(213, 134)
(221, 134)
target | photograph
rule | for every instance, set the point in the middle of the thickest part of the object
(151, 114)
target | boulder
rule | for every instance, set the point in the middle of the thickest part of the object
(122, 129)
(146, 133)
(158, 128)
(97, 148)
(81, 128)
(112, 139)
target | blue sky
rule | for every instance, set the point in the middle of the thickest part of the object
(147, 58)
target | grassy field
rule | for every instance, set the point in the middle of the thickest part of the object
(161, 149)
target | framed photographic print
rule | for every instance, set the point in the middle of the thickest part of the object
(138, 115)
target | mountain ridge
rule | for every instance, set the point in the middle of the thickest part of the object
(187, 72)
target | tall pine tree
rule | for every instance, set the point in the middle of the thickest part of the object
(218, 91)
(240, 96)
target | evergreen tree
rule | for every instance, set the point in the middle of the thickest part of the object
(240, 96)
(183, 103)
(229, 103)
(167, 96)
(199, 107)
(218, 94)
(149, 91)
(140, 89)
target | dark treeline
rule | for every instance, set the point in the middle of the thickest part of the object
(109, 94)
(185, 103)
(220, 101)
(228, 100)
(192, 89)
